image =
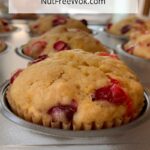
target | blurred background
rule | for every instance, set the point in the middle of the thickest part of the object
(144, 9)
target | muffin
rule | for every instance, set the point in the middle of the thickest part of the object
(129, 25)
(76, 90)
(3, 46)
(140, 46)
(61, 38)
(5, 26)
(46, 23)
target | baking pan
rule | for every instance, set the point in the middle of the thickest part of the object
(6, 111)
(121, 37)
(19, 51)
(5, 50)
(139, 65)
(15, 29)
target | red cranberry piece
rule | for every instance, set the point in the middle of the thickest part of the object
(35, 26)
(40, 58)
(113, 93)
(84, 22)
(107, 54)
(4, 22)
(27, 51)
(63, 112)
(118, 95)
(109, 25)
(15, 75)
(103, 93)
(139, 21)
(40, 44)
(148, 44)
(125, 29)
(59, 20)
(35, 48)
(130, 50)
(60, 46)
(7, 29)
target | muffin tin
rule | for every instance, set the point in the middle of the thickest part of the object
(139, 65)
(16, 131)
(122, 37)
(15, 29)
(19, 51)
(5, 50)
(6, 111)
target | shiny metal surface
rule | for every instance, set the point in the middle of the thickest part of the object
(5, 50)
(83, 147)
(12, 134)
(15, 29)
(6, 111)
(19, 51)
(113, 35)
(139, 65)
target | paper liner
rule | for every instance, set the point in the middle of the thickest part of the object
(45, 121)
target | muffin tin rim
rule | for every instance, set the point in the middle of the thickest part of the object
(119, 49)
(7, 113)
(6, 49)
(19, 52)
(16, 29)
(104, 29)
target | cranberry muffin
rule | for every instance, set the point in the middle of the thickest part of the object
(139, 46)
(3, 46)
(59, 39)
(46, 23)
(129, 25)
(5, 26)
(76, 90)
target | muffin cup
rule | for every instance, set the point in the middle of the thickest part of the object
(122, 37)
(19, 51)
(5, 50)
(15, 29)
(48, 127)
(139, 65)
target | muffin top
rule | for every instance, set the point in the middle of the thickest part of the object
(61, 38)
(2, 45)
(129, 25)
(78, 87)
(5, 26)
(140, 46)
(46, 23)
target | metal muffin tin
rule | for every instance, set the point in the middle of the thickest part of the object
(18, 137)
(122, 37)
(19, 51)
(15, 29)
(6, 111)
(139, 65)
(5, 50)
